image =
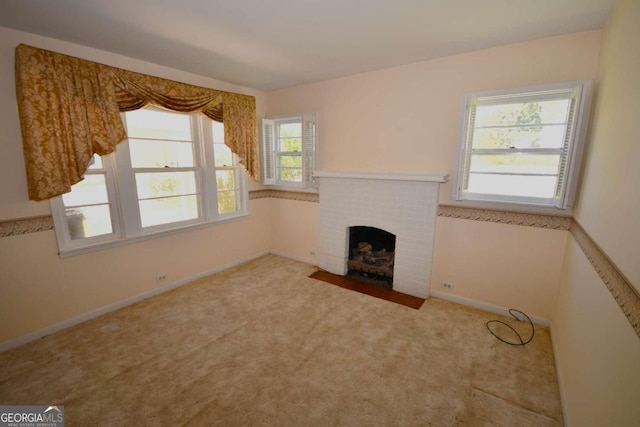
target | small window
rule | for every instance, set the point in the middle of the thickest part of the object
(174, 171)
(289, 147)
(522, 146)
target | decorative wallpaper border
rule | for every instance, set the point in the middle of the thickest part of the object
(621, 289)
(300, 196)
(43, 223)
(20, 226)
(506, 217)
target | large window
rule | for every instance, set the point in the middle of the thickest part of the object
(174, 171)
(522, 146)
(289, 147)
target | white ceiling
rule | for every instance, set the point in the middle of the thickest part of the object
(273, 44)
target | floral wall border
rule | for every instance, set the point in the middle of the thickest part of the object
(620, 288)
(506, 217)
(20, 226)
(301, 196)
(17, 227)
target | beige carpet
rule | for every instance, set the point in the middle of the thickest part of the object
(263, 344)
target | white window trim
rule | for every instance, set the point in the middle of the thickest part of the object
(127, 228)
(576, 149)
(308, 154)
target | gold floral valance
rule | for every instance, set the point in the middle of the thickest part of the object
(70, 109)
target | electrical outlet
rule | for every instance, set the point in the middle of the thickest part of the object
(448, 286)
(161, 277)
(312, 253)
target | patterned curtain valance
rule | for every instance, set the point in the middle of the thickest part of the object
(70, 109)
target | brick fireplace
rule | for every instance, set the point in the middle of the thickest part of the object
(404, 205)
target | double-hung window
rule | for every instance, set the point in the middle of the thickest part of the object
(522, 146)
(289, 148)
(173, 172)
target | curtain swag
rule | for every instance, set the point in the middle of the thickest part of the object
(70, 109)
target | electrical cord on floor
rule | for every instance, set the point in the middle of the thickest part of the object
(511, 312)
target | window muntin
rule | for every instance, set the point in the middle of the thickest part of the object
(520, 146)
(174, 171)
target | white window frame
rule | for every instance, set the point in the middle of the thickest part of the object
(270, 150)
(571, 152)
(123, 197)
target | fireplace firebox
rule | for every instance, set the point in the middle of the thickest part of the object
(371, 255)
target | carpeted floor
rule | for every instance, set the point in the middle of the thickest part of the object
(263, 344)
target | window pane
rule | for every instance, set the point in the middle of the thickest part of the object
(223, 154)
(158, 124)
(225, 180)
(549, 136)
(90, 191)
(512, 185)
(290, 161)
(167, 210)
(160, 154)
(290, 144)
(291, 174)
(290, 130)
(226, 201)
(89, 221)
(517, 163)
(218, 132)
(522, 113)
(97, 162)
(162, 184)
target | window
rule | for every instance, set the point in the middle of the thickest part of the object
(289, 147)
(174, 171)
(522, 146)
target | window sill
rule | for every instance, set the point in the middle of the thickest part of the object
(70, 252)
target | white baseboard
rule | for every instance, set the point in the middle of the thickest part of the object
(32, 336)
(563, 398)
(294, 257)
(486, 306)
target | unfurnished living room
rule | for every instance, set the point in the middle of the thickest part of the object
(303, 213)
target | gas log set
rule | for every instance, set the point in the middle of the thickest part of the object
(371, 262)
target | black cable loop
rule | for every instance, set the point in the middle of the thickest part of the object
(522, 342)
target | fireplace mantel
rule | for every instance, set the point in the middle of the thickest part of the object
(383, 176)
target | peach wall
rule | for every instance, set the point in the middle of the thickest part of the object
(501, 264)
(608, 205)
(37, 288)
(405, 119)
(295, 229)
(597, 350)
